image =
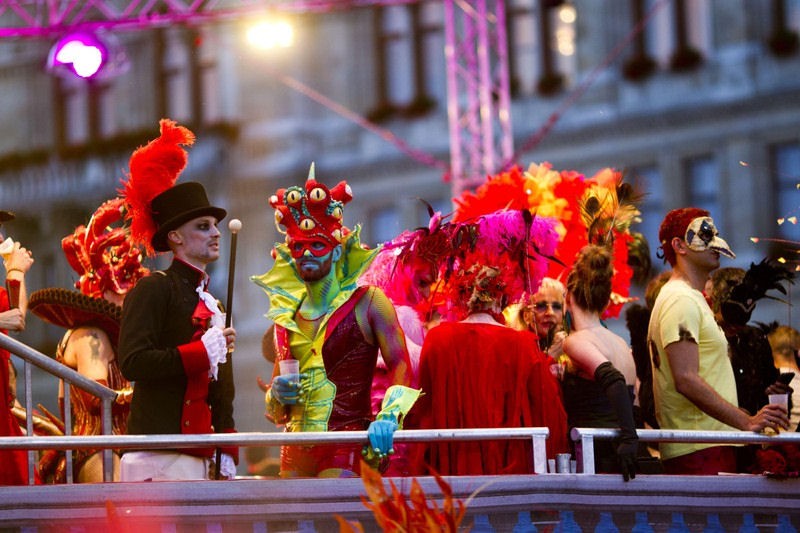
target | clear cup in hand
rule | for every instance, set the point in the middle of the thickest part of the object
(783, 401)
(289, 366)
(6, 248)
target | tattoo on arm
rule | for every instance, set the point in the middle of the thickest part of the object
(94, 344)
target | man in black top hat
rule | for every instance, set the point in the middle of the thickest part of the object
(173, 341)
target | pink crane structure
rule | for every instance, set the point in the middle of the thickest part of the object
(475, 50)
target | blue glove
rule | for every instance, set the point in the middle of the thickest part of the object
(286, 389)
(381, 435)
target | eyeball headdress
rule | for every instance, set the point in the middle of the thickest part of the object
(311, 213)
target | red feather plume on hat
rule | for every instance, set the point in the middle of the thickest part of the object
(154, 168)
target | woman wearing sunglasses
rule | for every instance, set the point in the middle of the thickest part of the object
(543, 314)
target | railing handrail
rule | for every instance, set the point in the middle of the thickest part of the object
(586, 436)
(689, 435)
(53, 367)
(206, 440)
(50, 365)
(538, 436)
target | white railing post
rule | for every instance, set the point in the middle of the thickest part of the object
(539, 454)
(587, 454)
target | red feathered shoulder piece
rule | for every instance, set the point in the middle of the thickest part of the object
(153, 169)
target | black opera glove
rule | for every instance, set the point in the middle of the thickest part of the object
(613, 384)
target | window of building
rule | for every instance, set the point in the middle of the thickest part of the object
(785, 167)
(397, 29)
(175, 76)
(384, 224)
(207, 99)
(409, 59)
(640, 64)
(103, 111)
(73, 100)
(702, 186)
(433, 86)
(523, 46)
(541, 45)
(648, 182)
(679, 33)
(783, 39)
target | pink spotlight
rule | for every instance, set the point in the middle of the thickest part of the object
(82, 53)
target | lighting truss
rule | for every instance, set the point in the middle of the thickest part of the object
(48, 18)
(476, 54)
(478, 97)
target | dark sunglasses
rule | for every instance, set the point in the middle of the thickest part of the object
(542, 306)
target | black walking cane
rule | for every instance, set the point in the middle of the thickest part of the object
(234, 226)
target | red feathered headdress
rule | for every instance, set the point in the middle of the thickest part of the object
(154, 168)
(104, 257)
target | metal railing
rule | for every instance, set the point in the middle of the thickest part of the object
(71, 377)
(107, 442)
(537, 435)
(585, 437)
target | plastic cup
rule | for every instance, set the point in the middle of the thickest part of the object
(289, 366)
(551, 466)
(562, 463)
(6, 247)
(782, 400)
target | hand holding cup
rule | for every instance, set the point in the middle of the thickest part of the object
(287, 387)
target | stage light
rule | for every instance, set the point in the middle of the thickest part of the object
(270, 34)
(86, 55)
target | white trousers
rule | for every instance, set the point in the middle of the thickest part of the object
(162, 466)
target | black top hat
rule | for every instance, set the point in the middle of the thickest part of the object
(5, 216)
(178, 205)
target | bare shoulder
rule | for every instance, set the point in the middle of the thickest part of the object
(374, 300)
(576, 338)
(88, 333)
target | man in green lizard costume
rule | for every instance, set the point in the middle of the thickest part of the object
(335, 329)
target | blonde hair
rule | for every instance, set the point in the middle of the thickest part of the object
(551, 283)
(784, 341)
(528, 299)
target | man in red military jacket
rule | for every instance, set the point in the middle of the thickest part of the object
(173, 343)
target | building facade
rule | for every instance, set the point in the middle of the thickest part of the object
(700, 107)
